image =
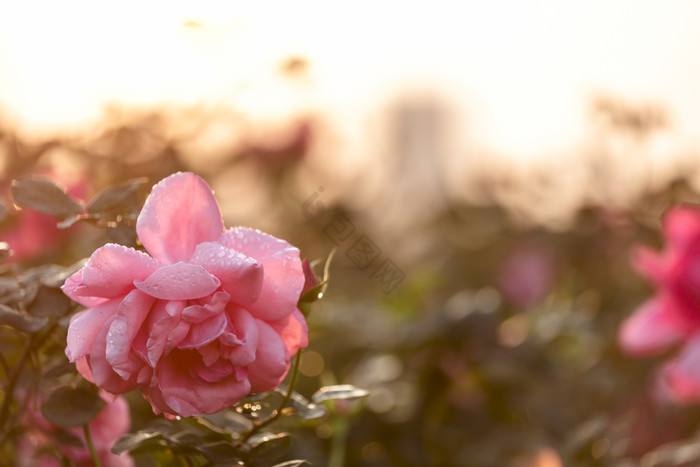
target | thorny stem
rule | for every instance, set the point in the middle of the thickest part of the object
(277, 413)
(91, 447)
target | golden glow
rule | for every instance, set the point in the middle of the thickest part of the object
(521, 71)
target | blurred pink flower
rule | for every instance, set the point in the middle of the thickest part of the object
(105, 429)
(672, 315)
(31, 234)
(526, 275)
(208, 318)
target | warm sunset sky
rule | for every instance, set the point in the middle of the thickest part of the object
(522, 71)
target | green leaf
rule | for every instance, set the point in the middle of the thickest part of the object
(229, 420)
(131, 441)
(305, 409)
(66, 438)
(49, 302)
(123, 234)
(338, 391)
(294, 463)
(118, 197)
(184, 442)
(268, 447)
(220, 452)
(44, 196)
(70, 407)
(61, 368)
(20, 321)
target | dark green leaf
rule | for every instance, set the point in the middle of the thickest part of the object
(305, 409)
(294, 463)
(123, 234)
(44, 196)
(267, 447)
(20, 321)
(60, 369)
(70, 407)
(117, 198)
(131, 441)
(40, 273)
(338, 391)
(49, 302)
(230, 420)
(66, 437)
(220, 452)
(150, 447)
(184, 442)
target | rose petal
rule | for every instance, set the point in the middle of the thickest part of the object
(241, 347)
(681, 226)
(162, 320)
(216, 304)
(180, 213)
(187, 398)
(682, 376)
(180, 281)
(212, 373)
(648, 263)
(72, 288)
(284, 277)
(240, 275)
(85, 326)
(205, 332)
(293, 331)
(110, 272)
(651, 329)
(131, 314)
(271, 360)
(103, 374)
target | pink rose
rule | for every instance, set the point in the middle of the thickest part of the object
(105, 430)
(673, 315)
(209, 317)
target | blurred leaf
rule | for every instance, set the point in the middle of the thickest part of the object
(66, 438)
(184, 442)
(44, 196)
(267, 447)
(70, 407)
(123, 234)
(61, 368)
(338, 391)
(131, 441)
(294, 463)
(20, 321)
(229, 419)
(207, 427)
(7, 286)
(219, 452)
(55, 276)
(118, 197)
(305, 409)
(49, 302)
(3, 211)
